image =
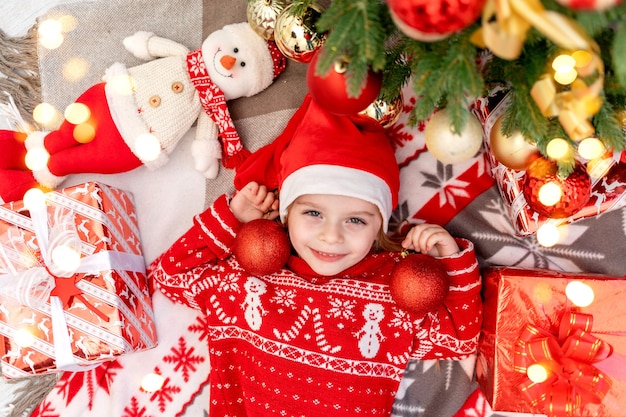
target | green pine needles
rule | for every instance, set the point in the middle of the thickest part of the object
(453, 72)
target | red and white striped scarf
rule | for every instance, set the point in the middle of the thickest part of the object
(214, 104)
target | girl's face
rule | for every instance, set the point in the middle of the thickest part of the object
(332, 233)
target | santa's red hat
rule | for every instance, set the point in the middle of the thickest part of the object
(323, 153)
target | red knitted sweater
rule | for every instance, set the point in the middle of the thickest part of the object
(296, 344)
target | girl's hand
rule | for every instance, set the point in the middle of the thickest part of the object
(430, 239)
(254, 201)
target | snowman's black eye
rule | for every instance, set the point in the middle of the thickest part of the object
(243, 64)
(236, 50)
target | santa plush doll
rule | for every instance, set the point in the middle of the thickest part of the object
(137, 115)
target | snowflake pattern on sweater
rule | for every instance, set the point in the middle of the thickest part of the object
(297, 344)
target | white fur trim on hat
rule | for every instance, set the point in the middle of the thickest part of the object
(35, 140)
(336, 180)
(124, 112)
(43, 176)
(257, 47)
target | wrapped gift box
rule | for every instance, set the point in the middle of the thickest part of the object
(71, 313)
(608, 192)
(530, 323)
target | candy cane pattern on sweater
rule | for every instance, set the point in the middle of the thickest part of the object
(219, 311)
(318, 326)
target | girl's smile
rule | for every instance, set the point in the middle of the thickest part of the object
(332, 232)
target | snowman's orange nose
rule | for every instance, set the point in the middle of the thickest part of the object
(228, 61)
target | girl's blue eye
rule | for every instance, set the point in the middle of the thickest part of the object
(356, 220)
(312, 213)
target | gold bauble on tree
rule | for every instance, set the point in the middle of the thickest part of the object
(512, 151)
(262, 16)
(448, 146)
(297, 36)
(385, 112)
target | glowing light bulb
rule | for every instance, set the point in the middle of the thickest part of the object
(565, 77)
(564, 71)
(550, 194)
(583, 60)
(537, 373)
(148, 147)
(558, 148)
(579, 293)
(75, 69)
(591, 148)
(66, 258)
(77, 113)
(68, 23)
(50, 27)
(152, 382)
(548, 235)
(51, 34)
(84, 133)
(563, 62)
(24, 337)
(52, 41)
(36, 158)
(44, 113)
(34, 199)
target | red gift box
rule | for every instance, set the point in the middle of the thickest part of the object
(73, 286)
(533, 330)
(607, 192)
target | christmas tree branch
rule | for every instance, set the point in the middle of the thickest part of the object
(447, 73)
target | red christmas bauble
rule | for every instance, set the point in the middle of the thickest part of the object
(262, 247)
(595, 5)
(432, 20)
(330, 90)
(419, 283)
(575, 190)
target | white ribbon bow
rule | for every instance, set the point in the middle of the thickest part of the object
(32, 286)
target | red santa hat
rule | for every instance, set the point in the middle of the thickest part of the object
(323, 153)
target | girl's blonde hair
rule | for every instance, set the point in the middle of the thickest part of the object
(387, 242)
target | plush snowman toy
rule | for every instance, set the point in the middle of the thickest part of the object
(138, 114)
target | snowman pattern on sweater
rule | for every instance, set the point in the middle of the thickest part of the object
(370, 335)
(295, 343)
(253, 308)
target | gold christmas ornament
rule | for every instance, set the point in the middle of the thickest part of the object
(262, 16)
(296, 36)
(512, 151)
(450, 147)
(385, 112)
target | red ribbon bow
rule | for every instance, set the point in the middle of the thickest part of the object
(572, 380)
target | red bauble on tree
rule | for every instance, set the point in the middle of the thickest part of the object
(551, 195)
(419, 283)
(330, 90)
(589, 5)
(262, 247)
(432, 20)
